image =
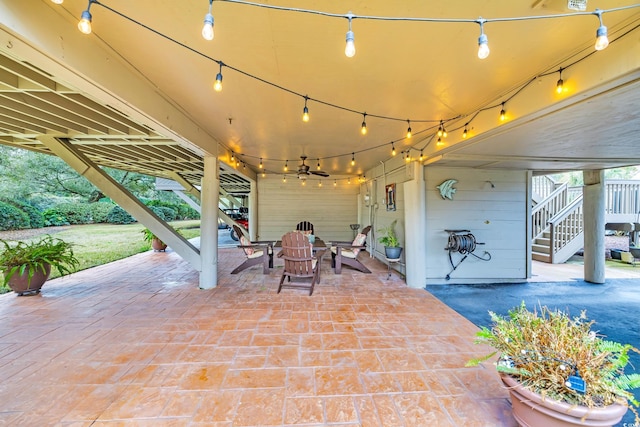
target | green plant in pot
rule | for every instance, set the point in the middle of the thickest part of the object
(558, 371)
(27, 265)
(153, 240)
(390, 241)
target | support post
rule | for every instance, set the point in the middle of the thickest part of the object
(594, 219)
(253, 211)
(415, 205)
(209, 223)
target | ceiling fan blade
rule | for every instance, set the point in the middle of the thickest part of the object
(319, 173)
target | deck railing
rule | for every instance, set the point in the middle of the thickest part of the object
(566, 226)
(623, 197)
(543, 185)
(542, 213)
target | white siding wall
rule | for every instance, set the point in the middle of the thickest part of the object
(495, 216)
(329, 208)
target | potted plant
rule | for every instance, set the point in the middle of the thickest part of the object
(390, 241)
(559, 372)
(27, 265)
(156, 243)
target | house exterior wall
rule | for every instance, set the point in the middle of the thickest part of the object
(282, 205)
(496, 215)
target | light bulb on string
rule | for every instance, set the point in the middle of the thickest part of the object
(260, 165)
(350, 47)
(439, 143)
(335, 182)
(421, 156)
(409, 134)
(408, 158)
(348, 180)
(503, 113)
(85, 19)
(465, 132)
(320, 183)
(318, 167)
(217, 86)
(305, 110)
(207, 28)
(393, 149)
(233, 157)
(264, 174)
(560, 83)
(284, 178)
(363, 128)
(483, 41)
(353, 159)
(286, 165)
(440, 129)
(602, 41)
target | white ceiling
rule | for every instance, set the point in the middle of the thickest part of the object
(406, 70)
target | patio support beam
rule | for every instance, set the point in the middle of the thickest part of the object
(253, 211)
(593, 222)
(209, 223)
(127, 201)
(185, 184)
(415, 205)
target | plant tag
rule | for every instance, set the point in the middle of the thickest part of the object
(577, 383)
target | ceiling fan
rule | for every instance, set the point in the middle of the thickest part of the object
(303, 170)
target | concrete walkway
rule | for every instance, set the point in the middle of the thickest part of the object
(135, 342)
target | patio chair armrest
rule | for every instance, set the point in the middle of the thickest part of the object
(339, 243)
(350, 247)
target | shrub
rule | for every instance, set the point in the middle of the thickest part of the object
(36, 220)
(100, 210)
(12, 218)
(168, 214)
(117, 215)
(75, 213)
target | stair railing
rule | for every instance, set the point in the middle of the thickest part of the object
(565, 226)
(542, 213)
(543, 185)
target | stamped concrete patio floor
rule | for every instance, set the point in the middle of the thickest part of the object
(135, 342)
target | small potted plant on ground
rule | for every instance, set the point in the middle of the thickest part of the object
(156, 243)
(27, 265)
(558, 371)
(390, 241)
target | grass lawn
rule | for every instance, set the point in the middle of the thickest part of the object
(97, 244)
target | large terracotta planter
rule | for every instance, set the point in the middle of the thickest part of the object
(158, 245)
(531, 410)
(21, 285)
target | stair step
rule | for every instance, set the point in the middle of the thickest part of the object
(541, 249)
(542, 241)
(541, 257)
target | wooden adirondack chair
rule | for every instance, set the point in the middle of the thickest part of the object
(299, 262)
(347, 252)
(256, 253)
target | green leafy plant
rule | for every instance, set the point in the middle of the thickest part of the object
(546, 350)
(148, 235)
(389, 238)
(35, 256)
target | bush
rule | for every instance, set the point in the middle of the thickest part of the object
(117, 215)
(100, 210)
(12, 218)
(167, 214)
(75, 213)
(53, 218)
(36, 220)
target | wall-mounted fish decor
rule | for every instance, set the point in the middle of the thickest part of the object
(446, 189)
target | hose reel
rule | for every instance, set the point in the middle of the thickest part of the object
(465, 243)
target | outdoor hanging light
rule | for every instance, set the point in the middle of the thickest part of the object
(233, 157)
(363, 128)
(350, 48)
(560, 83)
(483, 41)
(503, 113)
(305, 110)
(421, 156)
(602, 41)
(353, 159)
(393, 149)
(260, 165)
(85, 19)
(409, 129)
(207, 28)
(318, 167)
(217, 86)
(286, 165)
(465, 132)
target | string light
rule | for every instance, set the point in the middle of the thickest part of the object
(483, 41)
(335, 182)
(350, 47)
(207, 28)
(439, 143)
(217, 86)
(284, 178)
(348, 180)
(503, 113)
(408, 158)
(233, 157)
(560, 83)
(264, 174)
(320, 183)
(363, 128)
(409, 129)
(421, 156)
(260, 166)
(85, 19)
(305, 110)
(286, 165)
(465, 132)
(353, 159)
(602, 41)
(304, 181)
(318, 167)
(441, 130)
(393, 149)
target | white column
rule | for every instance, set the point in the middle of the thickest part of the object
(209, 223)
(593, 220)
(415, 207)
(253, 211)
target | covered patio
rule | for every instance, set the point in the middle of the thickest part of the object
(136, 341)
